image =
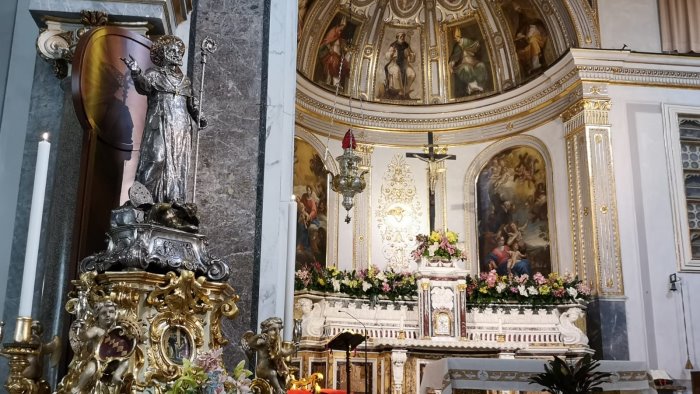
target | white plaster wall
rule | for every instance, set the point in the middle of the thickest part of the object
(654, 317)
(631, 22)
(551, 134)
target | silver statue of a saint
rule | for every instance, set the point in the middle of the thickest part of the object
(166, 145)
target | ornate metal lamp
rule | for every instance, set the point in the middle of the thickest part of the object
(350, 180)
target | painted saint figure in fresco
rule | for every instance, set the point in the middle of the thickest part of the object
(530, 35)
(398, 72)
(333, 54)
(469, 73)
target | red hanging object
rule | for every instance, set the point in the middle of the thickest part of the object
(349, 140)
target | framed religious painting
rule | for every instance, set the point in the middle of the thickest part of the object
(334, 58)
(531, 37)
(468, 62)
(311, 192)
(399, 73)
(512, 213)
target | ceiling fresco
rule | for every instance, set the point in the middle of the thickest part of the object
(418, 52)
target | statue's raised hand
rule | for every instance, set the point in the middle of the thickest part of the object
(132, 65)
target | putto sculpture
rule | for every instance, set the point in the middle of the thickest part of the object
(272, 352)
(166, 145)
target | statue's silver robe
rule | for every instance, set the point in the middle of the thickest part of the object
(167, 137)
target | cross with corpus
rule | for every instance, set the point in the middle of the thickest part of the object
(432, 159)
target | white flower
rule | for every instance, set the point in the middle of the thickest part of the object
(432, 248)
(532, 290)
(366, 285)
(522, 290)
(336, 285)
(381, 276)
(500, 287)
(572, 291)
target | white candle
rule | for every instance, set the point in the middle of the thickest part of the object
(34, 234)
(291, 271)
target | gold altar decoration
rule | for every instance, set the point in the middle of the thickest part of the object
(310, 383)
(134, 330)
(26, 358)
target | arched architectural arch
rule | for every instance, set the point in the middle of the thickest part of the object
(470, 195)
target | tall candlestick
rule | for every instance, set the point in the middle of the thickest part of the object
(291, 260)
(34, 234)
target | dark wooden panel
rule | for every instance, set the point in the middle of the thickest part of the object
(112, 115)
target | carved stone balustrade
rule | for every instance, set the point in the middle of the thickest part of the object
(498, 328)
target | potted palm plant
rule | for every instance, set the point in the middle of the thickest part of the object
(571, 377)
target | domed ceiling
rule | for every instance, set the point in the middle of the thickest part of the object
(418, 52)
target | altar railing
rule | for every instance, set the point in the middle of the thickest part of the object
(553, 329)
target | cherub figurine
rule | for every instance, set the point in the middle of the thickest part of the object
(35, 368)
(96, 369)
(271, 352)
(167, 137)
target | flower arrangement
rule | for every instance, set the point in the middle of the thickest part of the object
(367, 283)
(206, 375)
(438, 244)
(491, 288)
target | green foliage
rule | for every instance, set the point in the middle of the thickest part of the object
(190, 381)
(366, 283)
(567, 377)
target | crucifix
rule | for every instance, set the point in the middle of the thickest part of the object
(432, 158)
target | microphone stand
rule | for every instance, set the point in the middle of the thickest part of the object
(366, 339)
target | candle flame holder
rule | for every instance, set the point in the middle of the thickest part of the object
(25, 357)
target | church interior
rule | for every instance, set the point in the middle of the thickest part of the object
(349, 196)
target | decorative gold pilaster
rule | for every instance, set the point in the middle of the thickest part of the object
(363, 212)
(594, 221)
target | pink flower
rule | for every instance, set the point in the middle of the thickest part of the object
(514, 290)
(583, 288)
(522, 278)
(539, 278)
(386, 287)
(559, 293)
(210, 361)
(492, 278)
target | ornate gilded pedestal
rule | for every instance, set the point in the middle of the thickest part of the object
(134, 330)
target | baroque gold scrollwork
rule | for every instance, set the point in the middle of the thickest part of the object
(227, 309)
(176, 331)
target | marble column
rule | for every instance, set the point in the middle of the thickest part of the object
(594, 221)
(231, 151)
(46, 107)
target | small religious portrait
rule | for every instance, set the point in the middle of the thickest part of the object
(177, 345)
(334, 57)
(311, 192)
(468, 66)
(442, 324)
(513, 217)
(399, 75)
(530, 35)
